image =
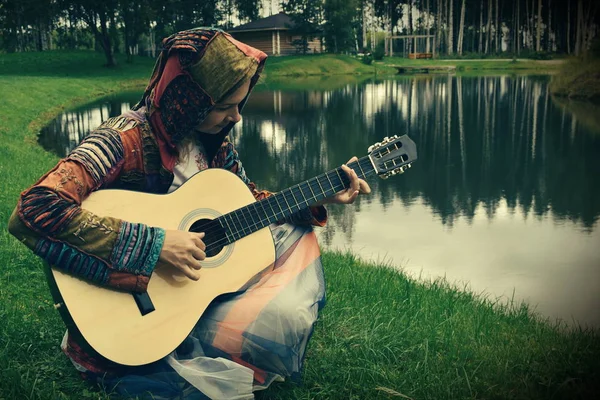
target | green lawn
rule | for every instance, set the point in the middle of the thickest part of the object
(491, 65)
(381, 335)
(578, 80)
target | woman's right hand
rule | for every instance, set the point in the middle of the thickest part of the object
(184, 251)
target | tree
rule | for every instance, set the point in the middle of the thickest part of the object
(461, 29)
(488, 28)
(339, 27)
(538, 32)
(248, 10)
(99, 16)
(27, 25)
(136, 20)
(450, 34)
(307, 16)
(391, 10)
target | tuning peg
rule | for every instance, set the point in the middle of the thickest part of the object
(374, 147)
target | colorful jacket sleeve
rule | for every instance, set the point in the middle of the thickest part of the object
(49, 219)
(228, 158)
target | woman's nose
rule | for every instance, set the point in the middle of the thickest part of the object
(235, 115)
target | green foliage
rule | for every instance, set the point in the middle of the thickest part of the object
(578, 79)
(248, 9)
(367, 59)
(540, 55)
(594, 51)
(306, 15)
(301, 45)
(341, 23)
(379, 51)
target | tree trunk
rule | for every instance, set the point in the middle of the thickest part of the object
(488, 27)
(364, 24)
(410, 28)
(588, 23)
(538, 34)
(480, 48)
(497, 28)
(568, 35)
(528, 25)
(450, 49)
(461, 29)
(127, 35)
(104, 37)
(427, 47)
(439, 26)
(518, 28)
(548, 38)
(579, 27)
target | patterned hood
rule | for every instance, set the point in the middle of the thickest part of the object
(195, 69)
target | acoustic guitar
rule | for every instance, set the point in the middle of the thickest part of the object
(137, 329)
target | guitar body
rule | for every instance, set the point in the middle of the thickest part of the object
(111, 322)
(137, 330)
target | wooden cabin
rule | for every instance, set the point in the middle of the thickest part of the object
(274, 35)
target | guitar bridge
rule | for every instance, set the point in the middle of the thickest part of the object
(144, 303)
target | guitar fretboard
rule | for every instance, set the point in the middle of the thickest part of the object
(246, 220)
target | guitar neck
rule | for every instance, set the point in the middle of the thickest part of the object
(278, 206)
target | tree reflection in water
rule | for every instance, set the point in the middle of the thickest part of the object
(480, 140)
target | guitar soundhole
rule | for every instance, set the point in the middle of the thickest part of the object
(215, 238)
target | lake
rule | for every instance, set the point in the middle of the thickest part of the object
(504, 198)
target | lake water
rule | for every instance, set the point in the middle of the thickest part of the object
(504, 198)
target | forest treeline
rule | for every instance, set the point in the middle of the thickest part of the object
(534, 28)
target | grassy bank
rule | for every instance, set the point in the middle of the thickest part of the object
(322, 64)
(579, 80)
(475, 65)
(381, 335)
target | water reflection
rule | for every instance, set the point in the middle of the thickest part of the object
(480, 140)
(504, 196)
(69, 128)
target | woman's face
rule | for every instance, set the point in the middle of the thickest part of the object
(225, 111)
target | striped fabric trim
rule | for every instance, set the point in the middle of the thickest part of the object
(119, 123)
(45, 211)
(137, 249)
(99, 153)
(75, 262)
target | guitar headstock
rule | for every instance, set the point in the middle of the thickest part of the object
(393, 155)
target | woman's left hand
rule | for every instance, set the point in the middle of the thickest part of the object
(347, 196)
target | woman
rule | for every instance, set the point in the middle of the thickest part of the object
(200, 83)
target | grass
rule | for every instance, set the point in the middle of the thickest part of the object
(381, 335)
(318, 65)
(578, 80)
(471, 65)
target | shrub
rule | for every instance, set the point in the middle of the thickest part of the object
(594, 50)
(379, 51)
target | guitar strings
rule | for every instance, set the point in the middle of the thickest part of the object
(343, 180)
(253, 214)
(214, 226)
